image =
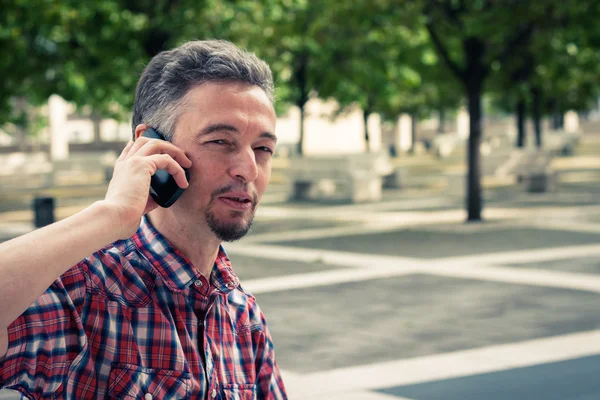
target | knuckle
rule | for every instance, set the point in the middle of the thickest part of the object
(151, 144)
(136, 161)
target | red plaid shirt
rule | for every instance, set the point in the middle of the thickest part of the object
(137, 318)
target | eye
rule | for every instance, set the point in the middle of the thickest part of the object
(265, 149)
(218, 141)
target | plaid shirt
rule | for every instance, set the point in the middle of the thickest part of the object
(137, 318)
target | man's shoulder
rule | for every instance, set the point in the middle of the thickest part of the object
(246, 308)
(119, 272)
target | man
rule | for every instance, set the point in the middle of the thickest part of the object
(157, 312)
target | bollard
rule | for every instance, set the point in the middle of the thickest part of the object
(43, 207)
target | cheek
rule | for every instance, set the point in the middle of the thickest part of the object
(202, 181)
(205, 169)
(263, 179)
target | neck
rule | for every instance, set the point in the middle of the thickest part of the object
(197, 243)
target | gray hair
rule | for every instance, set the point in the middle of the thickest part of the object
(171, 74)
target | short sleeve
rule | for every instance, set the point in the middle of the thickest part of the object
(46, 338)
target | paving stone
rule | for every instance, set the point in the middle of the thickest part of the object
(247, 267)
(413, 242)
(585, 265)
(264, 225)
(572, 379)
(351, 324)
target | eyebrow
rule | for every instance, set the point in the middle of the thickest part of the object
(269, 135)
(230, 128)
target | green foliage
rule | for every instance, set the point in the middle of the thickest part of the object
(560, 59)
(374, 53)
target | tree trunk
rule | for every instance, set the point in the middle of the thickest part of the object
(96, 122)
(557, 116)
(473, 79)
(537, 116)
(441, 120)
(21, 126)
(555, 121)
(301, 80)
(474, 201)
(521, 126)
(366, 114)
(561, 120)
(413, 131)
(472, 76)
(558, 122)
(21, 138)
(301, 140)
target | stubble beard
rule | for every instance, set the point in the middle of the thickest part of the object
(229, 231)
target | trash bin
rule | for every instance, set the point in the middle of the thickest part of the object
(43, 208)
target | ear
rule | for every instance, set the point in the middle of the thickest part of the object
(140, 129)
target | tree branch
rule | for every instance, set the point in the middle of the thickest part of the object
(522, 37)
(487, 5)
(437, 42)
(452, 14)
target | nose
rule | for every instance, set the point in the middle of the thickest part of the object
(243, 166)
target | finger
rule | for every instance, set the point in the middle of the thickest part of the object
(155, 146)
(138, 143)
(125, 151)
(166, 162)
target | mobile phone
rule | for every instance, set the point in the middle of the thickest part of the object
(163, 188)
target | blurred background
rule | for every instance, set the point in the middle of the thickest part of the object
(431, 227)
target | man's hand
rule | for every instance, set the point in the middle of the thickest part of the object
(48, 252)
(128, 191)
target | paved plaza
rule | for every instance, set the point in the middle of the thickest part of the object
(404, 300)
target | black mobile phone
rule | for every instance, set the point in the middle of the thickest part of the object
(163, 188)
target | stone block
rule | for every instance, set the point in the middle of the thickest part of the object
(395, 180)
(351, 178)
(540, 181)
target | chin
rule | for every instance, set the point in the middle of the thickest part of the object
(230, 228)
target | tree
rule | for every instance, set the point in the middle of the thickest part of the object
(382, 62)
(294, 38)
(68, 48)
(89, 53)
(369, 63)
(473, 37)
(556, 68)
(568, 79)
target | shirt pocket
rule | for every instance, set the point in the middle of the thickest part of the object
(238, 392)
(131, 382)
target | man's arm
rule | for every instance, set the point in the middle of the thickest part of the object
(31, 263)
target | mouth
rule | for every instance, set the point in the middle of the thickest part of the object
(240, 202)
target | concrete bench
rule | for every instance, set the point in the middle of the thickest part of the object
(25, 170)
(560, 142)
(397, 179)
(35, 170)
(532, 169)
(85, 168)
(445, 144)
(351, 178)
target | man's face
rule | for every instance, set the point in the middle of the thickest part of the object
(227, 130)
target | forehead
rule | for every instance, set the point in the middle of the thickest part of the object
(228, 97)
(244, 107)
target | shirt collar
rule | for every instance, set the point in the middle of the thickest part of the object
(174, 268)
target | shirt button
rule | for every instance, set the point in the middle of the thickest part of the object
(198, 283)
(230, 285)
(214, 393)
